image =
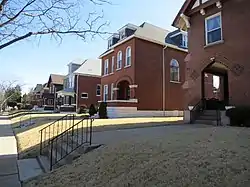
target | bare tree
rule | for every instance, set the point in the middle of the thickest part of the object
(4, 87)
(21, 19)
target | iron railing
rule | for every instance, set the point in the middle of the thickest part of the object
(69, 140)
(197, 110)
(218, 117)
(54, 129)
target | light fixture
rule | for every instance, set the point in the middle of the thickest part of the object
(202, 11)
(218, 4)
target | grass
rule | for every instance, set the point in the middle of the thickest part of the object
(28, 138)
(183, 156)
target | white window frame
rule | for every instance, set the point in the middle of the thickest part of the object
(126, 63)
(105, 92)
(119, 61)
(184, 40)
(106, 67)
(112, 91)
(98, 87)
(171, 70)
(112, 64)
(84, 97)
(206, 32)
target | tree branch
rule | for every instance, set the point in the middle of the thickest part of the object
(15, 40)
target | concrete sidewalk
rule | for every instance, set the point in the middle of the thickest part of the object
(8, 155)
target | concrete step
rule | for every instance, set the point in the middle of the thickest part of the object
(44, 163)
(206, 122)
(208, 117)
(209, 112)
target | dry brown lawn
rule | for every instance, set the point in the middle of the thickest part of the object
(190, 156)
(28, 138)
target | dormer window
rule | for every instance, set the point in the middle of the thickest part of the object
(122, 34)
(110, 42)
(184, 40)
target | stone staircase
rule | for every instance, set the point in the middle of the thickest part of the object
(207, 117)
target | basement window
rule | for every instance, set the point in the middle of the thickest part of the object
(84, 95)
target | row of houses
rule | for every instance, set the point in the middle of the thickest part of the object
(147, 70)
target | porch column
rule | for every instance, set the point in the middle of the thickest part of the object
(115, 93)
(132, 91)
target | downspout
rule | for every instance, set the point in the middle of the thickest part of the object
(163, 82)
(77, 89)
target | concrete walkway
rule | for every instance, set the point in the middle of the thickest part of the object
(8, 155)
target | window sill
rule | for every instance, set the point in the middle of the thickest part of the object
(118, 69)
(127, 66)
(214, 43)
(108, 74)
(176, 82)
(84, 97)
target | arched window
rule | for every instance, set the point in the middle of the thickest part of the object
(128, 56)
(119, 60)
(174, 70)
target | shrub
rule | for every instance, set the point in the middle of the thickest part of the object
(82, 109)
(239, 116)
(92, 110)
(103, 110)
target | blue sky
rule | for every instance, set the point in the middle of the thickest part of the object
(31, 62)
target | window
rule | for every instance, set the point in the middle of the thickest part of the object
(122, 34)
(128, 56)
(84, 95)
(112, 91)
(174, 70)
(105, 92)
(110, 43)
(50, 102)
(119, 60)
(98, 90)
(112, 64)
(213, 28)
(184, 40)
(106, 67)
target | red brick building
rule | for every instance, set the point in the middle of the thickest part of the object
(218, 44)
(143, 70)
(81, 85)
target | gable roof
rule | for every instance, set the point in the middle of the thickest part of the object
(182, 10)
(57, 79)
(90, 67)
(38, 88)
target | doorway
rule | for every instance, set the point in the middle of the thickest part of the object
(215, 88)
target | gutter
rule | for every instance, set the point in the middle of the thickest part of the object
(163, 82)
(77, 89)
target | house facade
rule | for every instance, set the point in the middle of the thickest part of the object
(37, 95)
(218, 44)
(54, 84)
(81, 85)
(143, 70)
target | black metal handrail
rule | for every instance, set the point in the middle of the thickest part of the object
(69, 140)
(54, 129)
(218, 117)
(197, 110)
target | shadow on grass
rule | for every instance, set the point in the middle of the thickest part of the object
(34, 150)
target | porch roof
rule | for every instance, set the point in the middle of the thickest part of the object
(66, 93)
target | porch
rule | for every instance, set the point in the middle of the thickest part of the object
(66, 100)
